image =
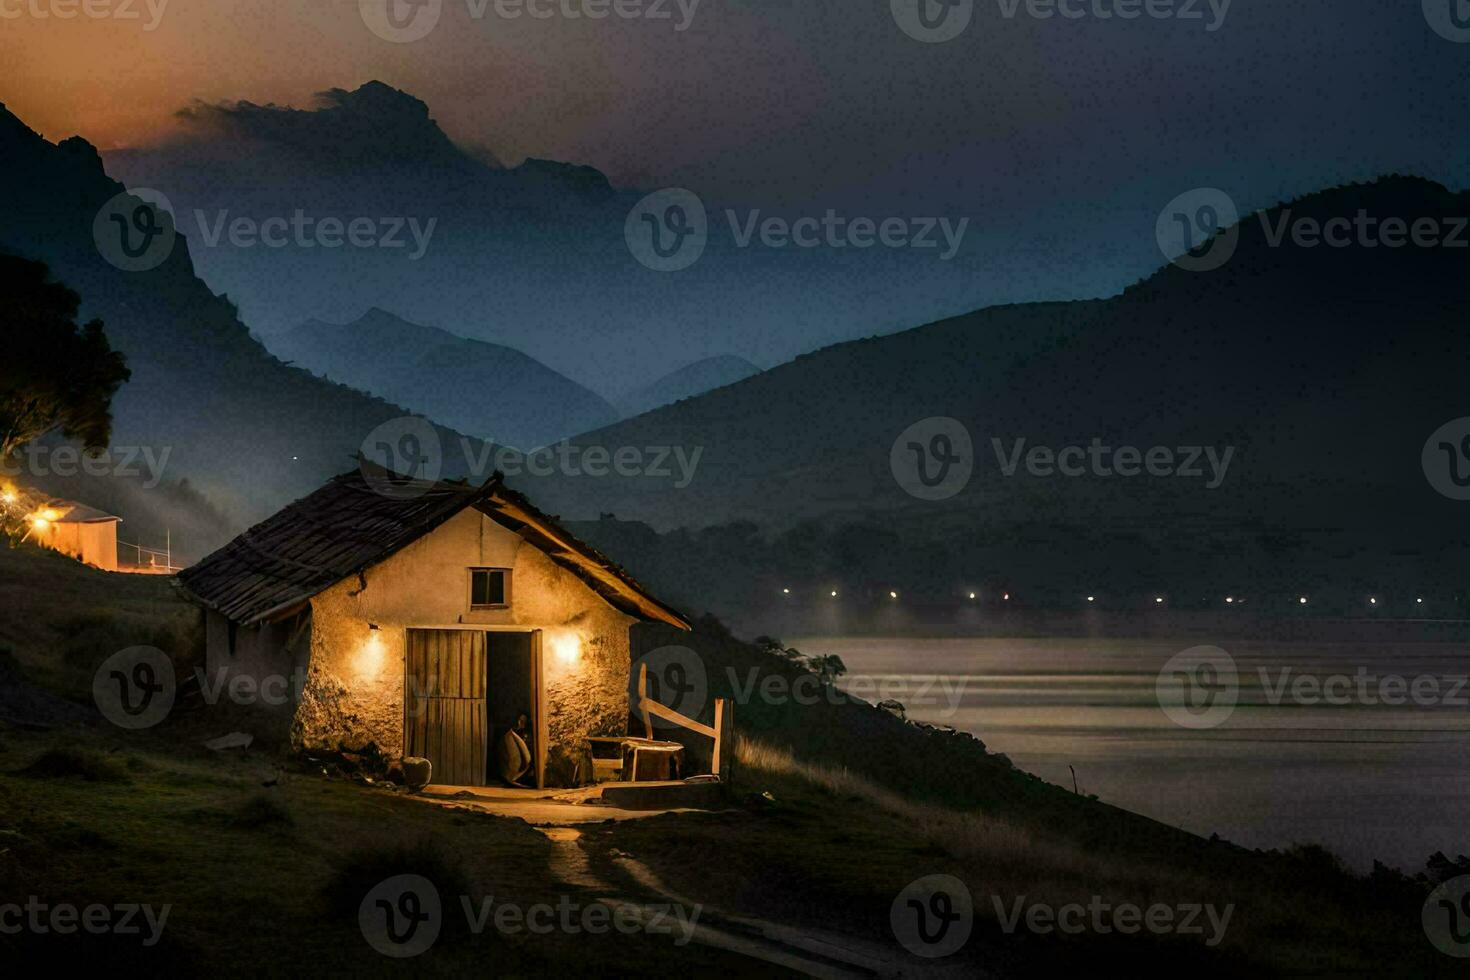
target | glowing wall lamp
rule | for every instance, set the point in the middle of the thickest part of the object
(567, 647)
(370, 655)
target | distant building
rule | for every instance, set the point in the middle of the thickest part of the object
(85, 533)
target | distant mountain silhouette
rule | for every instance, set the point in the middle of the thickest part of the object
(1327, 368)
(475, 387)
(688, 381)
(247, 431)
(533, 256)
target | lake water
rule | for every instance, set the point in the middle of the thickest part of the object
(1367, 780)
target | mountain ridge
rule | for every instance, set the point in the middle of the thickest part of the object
(475, 386)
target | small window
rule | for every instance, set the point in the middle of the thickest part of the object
(489, 588)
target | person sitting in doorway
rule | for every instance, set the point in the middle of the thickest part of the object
(513, 756)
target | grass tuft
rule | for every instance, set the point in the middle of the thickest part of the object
(72, 762)
(260, 811)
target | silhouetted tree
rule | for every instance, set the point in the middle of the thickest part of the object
(54, 375)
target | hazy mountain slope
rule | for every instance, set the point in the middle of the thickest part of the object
(248, 431)
(1333, 366)
(483, 389)
(534, 256)
(692, 379)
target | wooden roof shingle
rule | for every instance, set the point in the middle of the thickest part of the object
(368, 514)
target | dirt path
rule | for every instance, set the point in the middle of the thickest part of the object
(807, 951)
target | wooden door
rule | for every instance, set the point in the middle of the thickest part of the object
(444, 704)
(538, 678)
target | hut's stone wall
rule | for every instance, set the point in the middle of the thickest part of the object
(354, 689)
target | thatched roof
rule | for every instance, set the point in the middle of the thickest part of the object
(364, 516)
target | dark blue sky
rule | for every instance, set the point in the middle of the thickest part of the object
(1059, 137)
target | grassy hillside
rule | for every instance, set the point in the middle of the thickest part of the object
(836, 808)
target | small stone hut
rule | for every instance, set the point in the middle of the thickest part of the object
(423, 618)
